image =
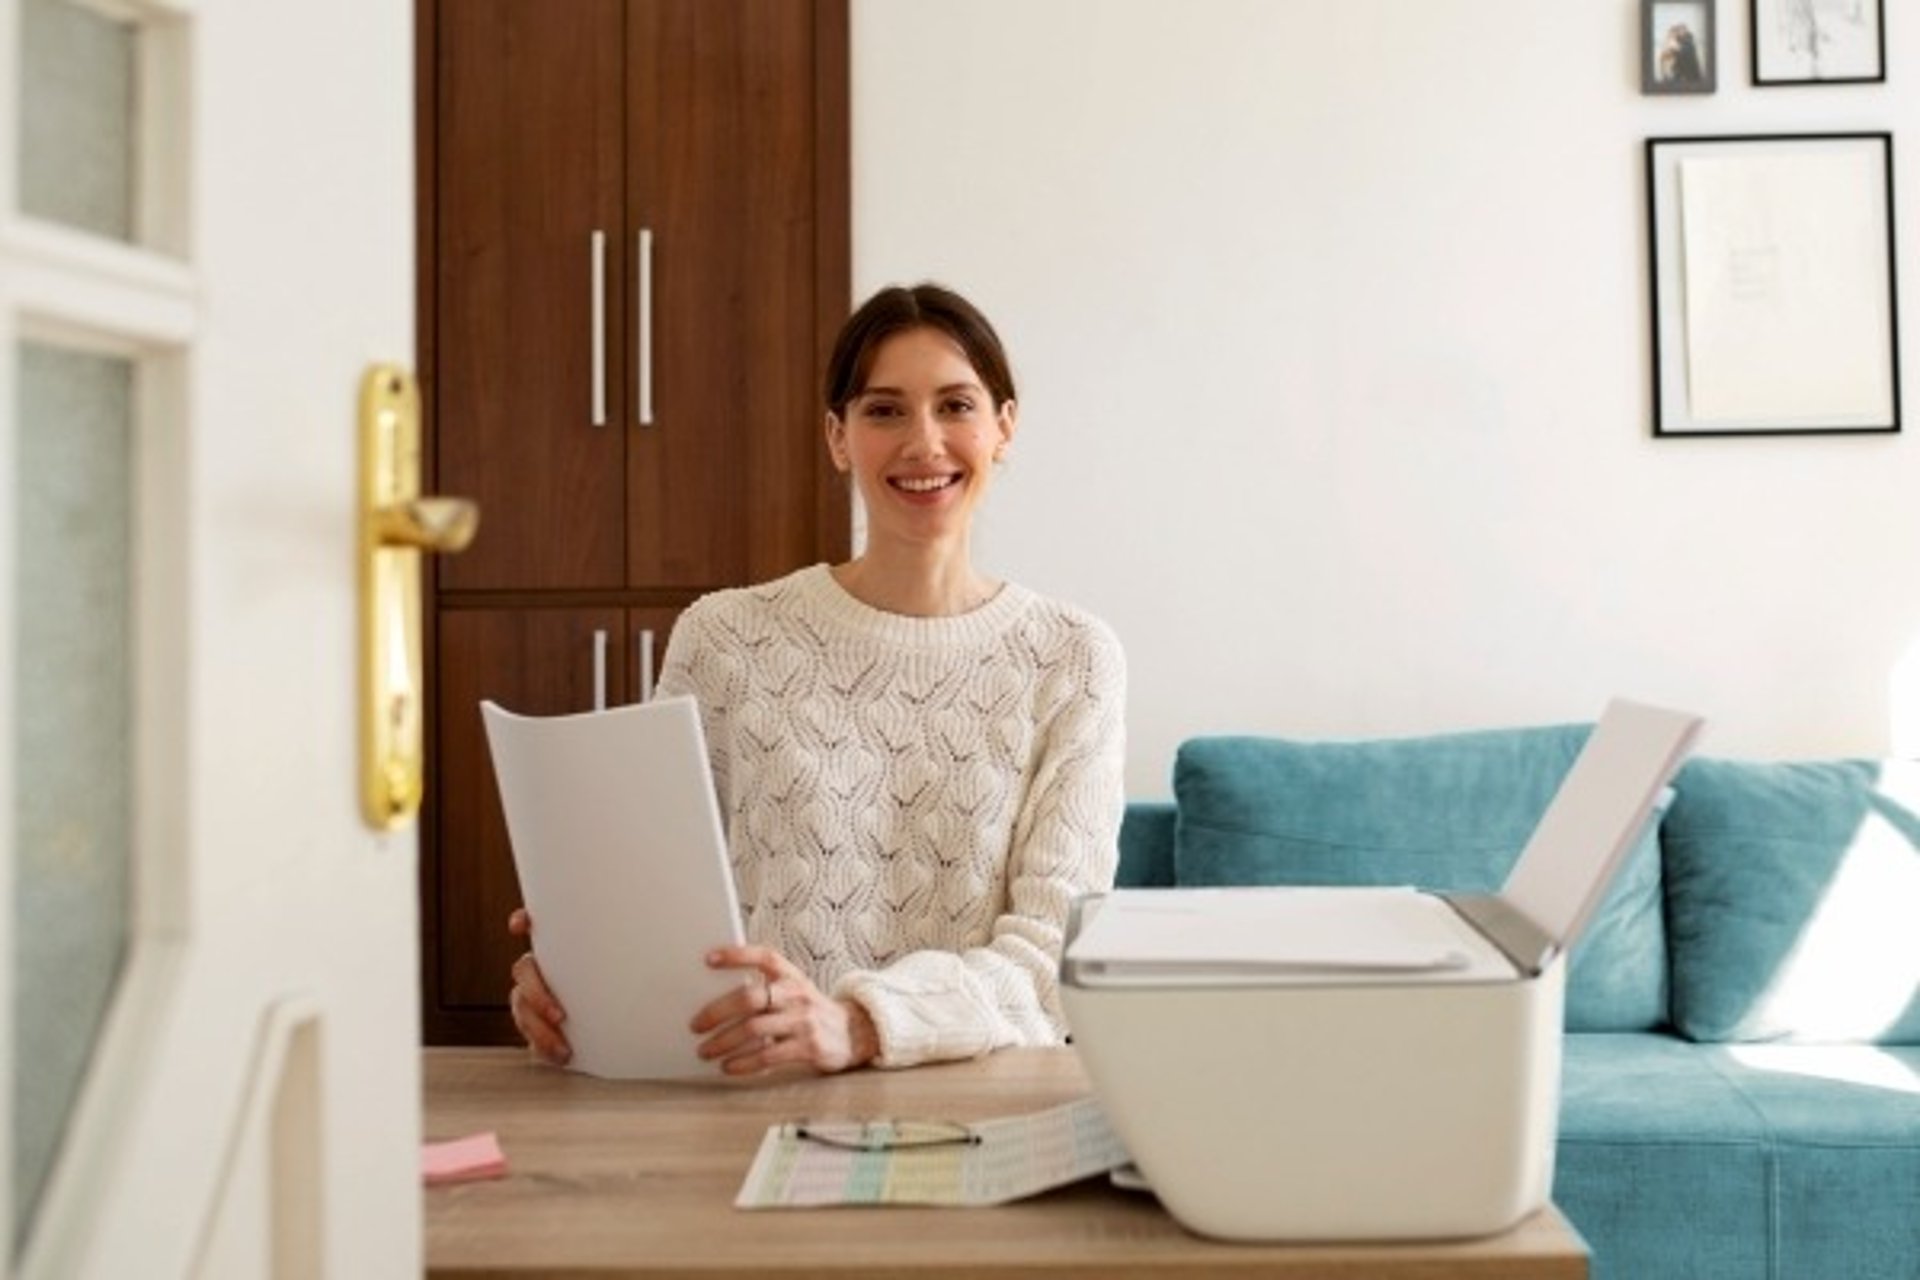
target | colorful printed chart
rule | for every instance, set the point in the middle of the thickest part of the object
(930, 1162)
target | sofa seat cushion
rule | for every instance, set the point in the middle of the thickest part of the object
(1683, 1160)
(1449, 813)
(1845, 1125)
(1662, 1164)
(1793, 896)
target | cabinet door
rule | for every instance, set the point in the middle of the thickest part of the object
(722, 169)
(532, 661)
(529, 165)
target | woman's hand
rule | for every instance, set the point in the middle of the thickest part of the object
(535, 1012)
(781, 1018)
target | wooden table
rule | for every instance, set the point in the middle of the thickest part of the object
(619, 1178)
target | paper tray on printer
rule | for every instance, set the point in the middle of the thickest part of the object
(1156, 937)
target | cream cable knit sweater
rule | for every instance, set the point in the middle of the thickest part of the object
(912, 803)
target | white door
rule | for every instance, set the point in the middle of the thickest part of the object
(208, 958)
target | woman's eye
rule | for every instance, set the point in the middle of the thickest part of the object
(881, 411)
(959, 405)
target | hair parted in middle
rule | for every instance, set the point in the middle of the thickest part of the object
(897, 309)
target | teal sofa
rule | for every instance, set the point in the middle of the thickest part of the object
(1741, 1088)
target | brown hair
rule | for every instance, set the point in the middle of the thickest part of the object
(896, 309)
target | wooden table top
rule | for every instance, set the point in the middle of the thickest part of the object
(625, 1178)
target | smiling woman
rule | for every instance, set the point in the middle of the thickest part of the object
(920, 766)
(920, 407)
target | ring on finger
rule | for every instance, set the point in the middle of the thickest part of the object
(766, 997)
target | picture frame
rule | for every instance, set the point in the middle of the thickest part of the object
(1772, 285)
(1679, 52)
(1808, 42)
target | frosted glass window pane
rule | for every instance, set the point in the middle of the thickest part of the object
(77, 122)
(73, 691)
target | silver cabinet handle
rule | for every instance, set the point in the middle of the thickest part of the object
(599, 328)
(645, 351)
(644, 644)
(599, 670)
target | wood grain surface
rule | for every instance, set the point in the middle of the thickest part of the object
(624, 1178)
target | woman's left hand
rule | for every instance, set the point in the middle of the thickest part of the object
(780, 1018)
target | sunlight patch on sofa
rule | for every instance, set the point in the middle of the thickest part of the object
(1855, 969)
(1861, 1064)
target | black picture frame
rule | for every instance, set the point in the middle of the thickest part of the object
(1813, 42)
(1772, 280)
(1679, 49)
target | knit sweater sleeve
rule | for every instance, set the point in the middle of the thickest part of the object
(936, 1005)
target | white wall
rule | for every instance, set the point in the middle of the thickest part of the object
(1331, 323)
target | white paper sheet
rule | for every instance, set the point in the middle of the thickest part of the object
(1786, 287)
(617, 839)
(1143, 932)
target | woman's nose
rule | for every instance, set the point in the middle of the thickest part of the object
(923, 432)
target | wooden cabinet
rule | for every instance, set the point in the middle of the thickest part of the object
(531, 660)
(634, 257)
(530, 170)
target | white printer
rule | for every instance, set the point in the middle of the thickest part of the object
(1357, 1063)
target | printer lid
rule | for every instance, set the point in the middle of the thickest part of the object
(1597, 815)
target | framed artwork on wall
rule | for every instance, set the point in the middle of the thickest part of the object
(1772, 283)
(1819, 41)
(1677, 49)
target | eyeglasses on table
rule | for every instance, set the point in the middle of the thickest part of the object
(884, 1135)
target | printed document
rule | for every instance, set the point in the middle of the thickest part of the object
(993, 1162)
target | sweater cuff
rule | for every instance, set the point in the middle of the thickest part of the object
(914, 1026)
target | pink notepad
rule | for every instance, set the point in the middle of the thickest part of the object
(462, 1160)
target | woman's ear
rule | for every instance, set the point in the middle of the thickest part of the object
(837, 443)
(1009, 418)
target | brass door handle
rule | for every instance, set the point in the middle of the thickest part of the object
(396, 525)
(430, 524)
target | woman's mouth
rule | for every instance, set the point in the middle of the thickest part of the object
(925, 484)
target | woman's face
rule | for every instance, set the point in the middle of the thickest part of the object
(921, 438)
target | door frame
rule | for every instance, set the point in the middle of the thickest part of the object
(138, 301)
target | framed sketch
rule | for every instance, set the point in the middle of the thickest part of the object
(1819, 41)
(1677, 51)
(1773, 292)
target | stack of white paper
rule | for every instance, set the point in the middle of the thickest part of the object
(618, 843)
(1141, 934)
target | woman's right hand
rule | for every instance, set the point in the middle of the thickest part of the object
(535, 1012)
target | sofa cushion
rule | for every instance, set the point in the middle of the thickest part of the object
(1845, 1122)
(1450, 812)
(1146, 845)
(1699, 1161)
(1661, 1165)
(1794, 901)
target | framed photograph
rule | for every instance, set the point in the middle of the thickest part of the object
(1677, 51)
(1773, 285)
(1819, 41)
